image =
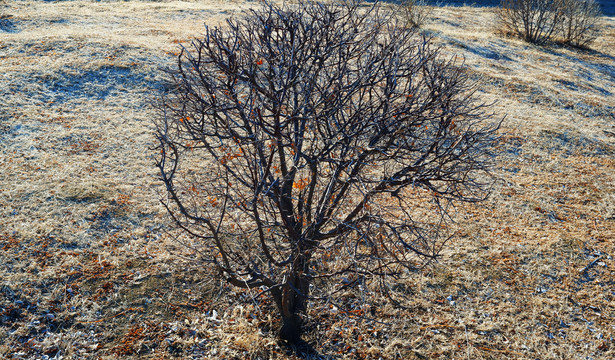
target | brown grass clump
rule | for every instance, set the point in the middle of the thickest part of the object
(91, 268)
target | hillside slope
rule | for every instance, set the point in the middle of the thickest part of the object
(92, 268)
(608, 6)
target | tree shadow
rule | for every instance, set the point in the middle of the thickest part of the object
(7, 25)
(604, 69)
(304, 350)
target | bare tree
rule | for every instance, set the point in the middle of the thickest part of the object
(534, 21)
(415, 12)
(579, 23)
(311, 147)
(574, 22)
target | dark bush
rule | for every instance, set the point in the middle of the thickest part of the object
(534, 21)
(579, 23)
(574, 22)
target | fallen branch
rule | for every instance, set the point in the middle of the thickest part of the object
(590, 265)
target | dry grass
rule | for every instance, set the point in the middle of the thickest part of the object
(91, 269)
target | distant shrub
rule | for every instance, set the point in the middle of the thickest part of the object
(579, 22)
(574, 22)
(535, 21)
(414, 13)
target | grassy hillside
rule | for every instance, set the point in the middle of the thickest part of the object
(608, 6)
(91, 267)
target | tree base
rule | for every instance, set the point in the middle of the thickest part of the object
(291, 329)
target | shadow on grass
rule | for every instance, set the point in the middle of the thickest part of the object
(304, 350)
(7, 25)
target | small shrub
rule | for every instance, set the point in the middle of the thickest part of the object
(414, 13)
(534, 21)
(574, 22)
(579, 23)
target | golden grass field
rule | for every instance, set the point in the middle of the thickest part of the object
(91, 268)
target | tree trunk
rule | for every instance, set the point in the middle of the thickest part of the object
(292, 306)
(292, 328)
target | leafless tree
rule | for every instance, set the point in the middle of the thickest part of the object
(574, 22)
(580, 22)
(312, 147)
(415, 12)
(534, 21)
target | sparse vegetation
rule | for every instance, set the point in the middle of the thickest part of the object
(580, 22)
(415, 13)
(334, 144)
(574, 22)
(534, 21)
(92, 267)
